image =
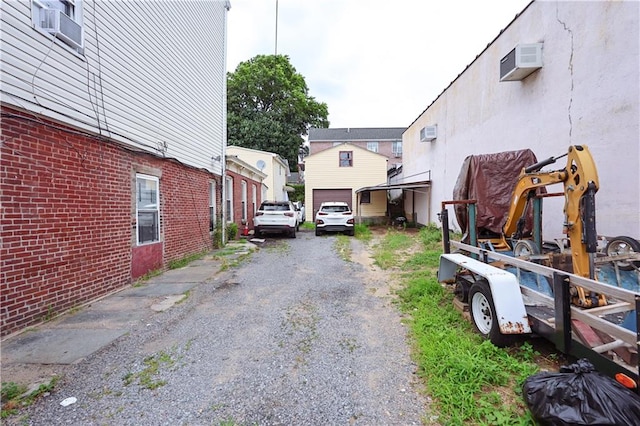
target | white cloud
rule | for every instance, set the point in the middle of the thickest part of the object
(375, 63)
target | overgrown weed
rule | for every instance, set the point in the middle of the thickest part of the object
(470, 380)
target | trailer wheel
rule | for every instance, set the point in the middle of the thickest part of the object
(623, 245)
(483, 314)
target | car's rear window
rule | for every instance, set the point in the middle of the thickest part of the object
(335, 209)
(274, 207)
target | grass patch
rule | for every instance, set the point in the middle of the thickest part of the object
(13, 396)
(308, 226)
(146, 277)
(184, 261)
(153, 367)
(362, 232)
(342, 246)
(389, 252)
(471, 381)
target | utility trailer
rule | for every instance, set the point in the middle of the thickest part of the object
(509, 296)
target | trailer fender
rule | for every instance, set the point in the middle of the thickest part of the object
(505, 290)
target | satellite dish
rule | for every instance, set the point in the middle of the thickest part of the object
(261, 165)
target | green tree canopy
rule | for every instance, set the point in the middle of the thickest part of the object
(269, 107)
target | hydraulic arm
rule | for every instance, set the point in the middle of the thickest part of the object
(580, 180)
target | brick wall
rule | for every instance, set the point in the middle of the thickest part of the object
(68, 217)
(237, 198)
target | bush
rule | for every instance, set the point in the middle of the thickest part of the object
(217, 236)
(232, 231)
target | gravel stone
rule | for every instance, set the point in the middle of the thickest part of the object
(295, 335)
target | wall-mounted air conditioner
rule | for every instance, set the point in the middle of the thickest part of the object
(428, 133)
(521, 61)
(60, 25)
(397, 154)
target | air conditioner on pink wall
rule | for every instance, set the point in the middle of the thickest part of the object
(55, 22)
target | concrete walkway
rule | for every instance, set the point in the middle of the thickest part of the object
(33, 354)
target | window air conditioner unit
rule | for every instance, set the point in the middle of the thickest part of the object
(60, 25)
(397, 154)
(521, 61)
(428, 133)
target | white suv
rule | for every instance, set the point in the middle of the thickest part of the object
(334, 216)
(276, 217)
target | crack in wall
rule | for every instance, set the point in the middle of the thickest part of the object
(568, 30)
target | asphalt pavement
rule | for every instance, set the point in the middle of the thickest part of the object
(71, 337)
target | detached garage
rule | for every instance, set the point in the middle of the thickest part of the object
(335, 174)
(322, 195)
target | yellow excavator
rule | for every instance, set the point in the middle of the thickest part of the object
(580, 180)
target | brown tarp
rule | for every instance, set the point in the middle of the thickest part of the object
(490, 179)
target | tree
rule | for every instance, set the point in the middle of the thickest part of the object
(269, 107)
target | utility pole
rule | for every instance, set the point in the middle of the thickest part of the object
(276, 52)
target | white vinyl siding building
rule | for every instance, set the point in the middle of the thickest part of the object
(121, 84)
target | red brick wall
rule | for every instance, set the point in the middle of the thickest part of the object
(68, 222)
(237, 198)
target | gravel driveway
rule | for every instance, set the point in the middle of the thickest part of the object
(294, 336)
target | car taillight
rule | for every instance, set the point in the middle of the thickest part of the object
(319, 221)
(350, 221)
(259, 213)
(322, 213)
(288, 214)
(346, 213)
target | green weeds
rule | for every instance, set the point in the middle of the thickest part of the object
(184, 261)
(342, 246)
(389, 251)
(362, 232)
(471, 381)
(154, 366)
(14, 397)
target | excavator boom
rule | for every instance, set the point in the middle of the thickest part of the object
(580, 180)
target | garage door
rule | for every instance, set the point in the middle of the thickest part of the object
(322, 195)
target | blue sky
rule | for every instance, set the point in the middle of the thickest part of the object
(375, 63)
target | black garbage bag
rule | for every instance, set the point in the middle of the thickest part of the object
(579, 395)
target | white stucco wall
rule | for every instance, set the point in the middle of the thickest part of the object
(587, 93)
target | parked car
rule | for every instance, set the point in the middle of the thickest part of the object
(302, 218)
(334, 216)
(276, 217)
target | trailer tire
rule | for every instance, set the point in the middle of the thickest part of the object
(483, 315)
(624, 245)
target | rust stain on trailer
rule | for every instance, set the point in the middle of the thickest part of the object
(512, 328)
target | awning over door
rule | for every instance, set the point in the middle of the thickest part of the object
(390, 186)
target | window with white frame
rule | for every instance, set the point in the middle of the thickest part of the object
(147, 208)
(254, 198)
(60, 18)
(396, 148)
(212, 206)
(244, 200)
(372, 146)
(229, 198)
